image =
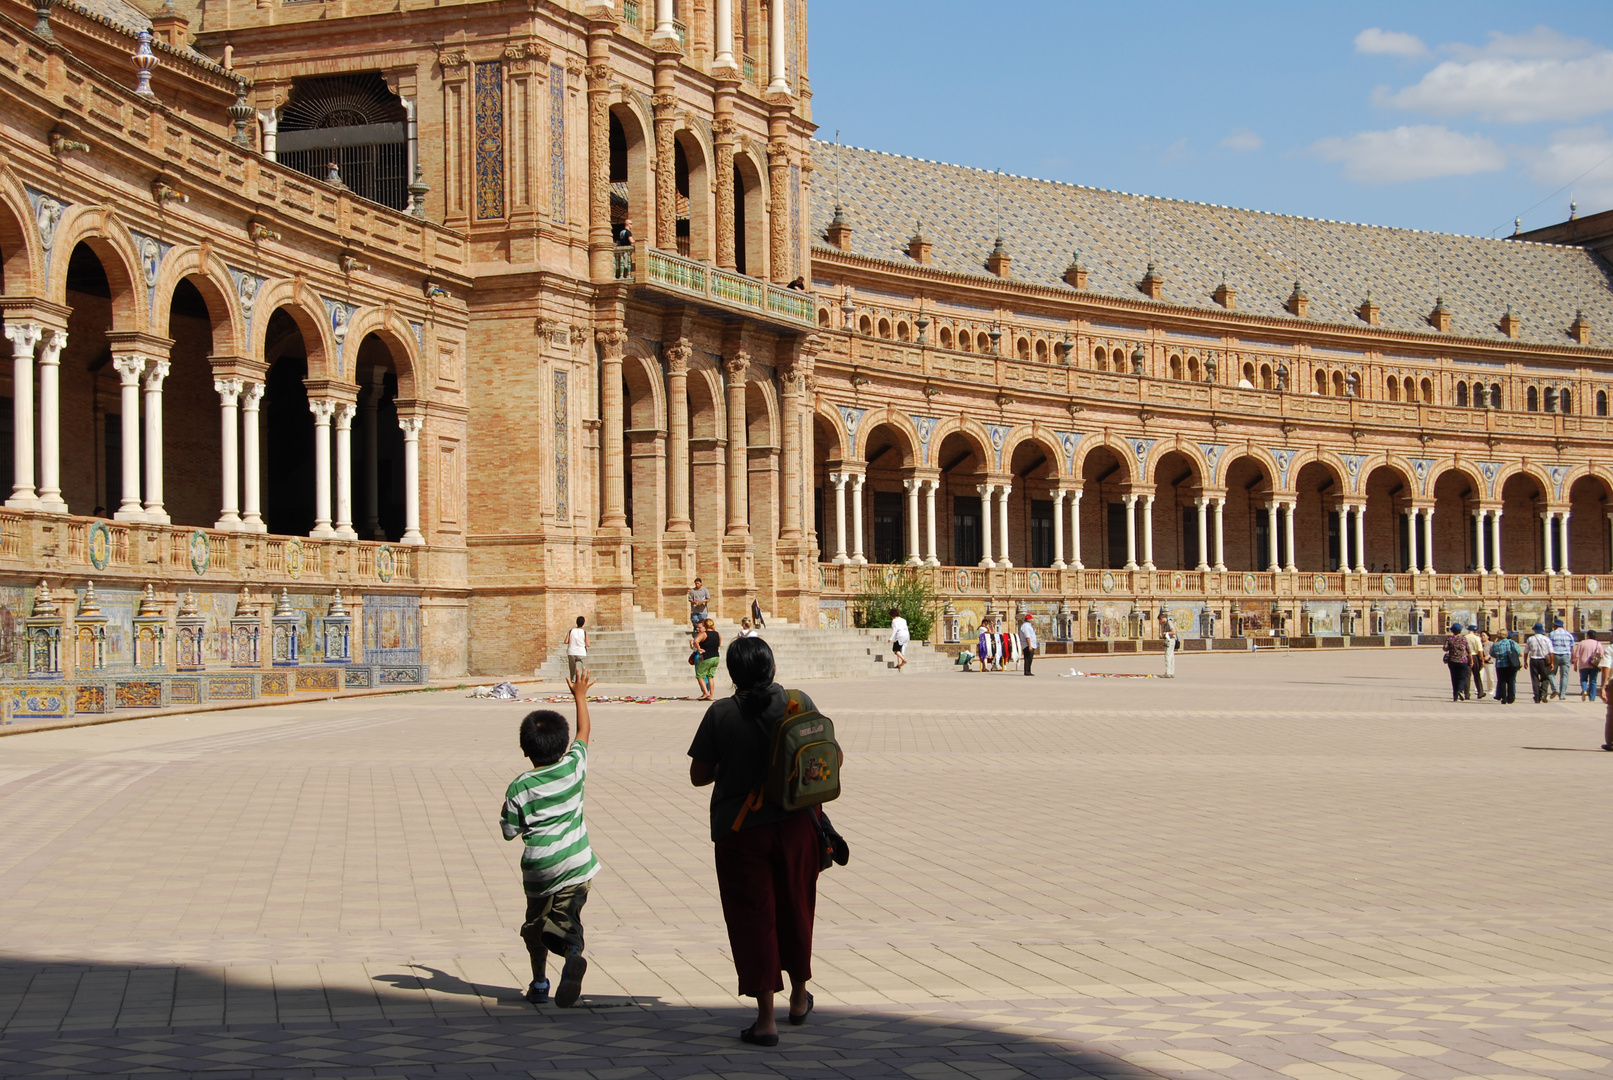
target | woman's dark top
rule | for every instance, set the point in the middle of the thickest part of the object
(710, 644)
(738, 747)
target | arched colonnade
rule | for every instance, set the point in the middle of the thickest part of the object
(152, 382)
(893, 488)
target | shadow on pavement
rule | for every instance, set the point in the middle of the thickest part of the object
(113, 1020)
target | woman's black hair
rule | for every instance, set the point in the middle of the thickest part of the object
(751, 667)
(580, 620)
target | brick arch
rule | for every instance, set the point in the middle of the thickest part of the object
(1328, 460)
(1189, 450)
(1602, 474)
(398, 336)
(212, 279)
(1115, 445)
(970, 430)
(24, 257)
(831, 416)
(1035, 433)
(1452, 465)
(889, 417)
(105, 235)
(759, 384)
(308, 311)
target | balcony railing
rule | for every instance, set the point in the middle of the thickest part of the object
(667, 272)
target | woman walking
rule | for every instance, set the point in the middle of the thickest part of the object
(767, 857)
(1456, 658)
(707, 643)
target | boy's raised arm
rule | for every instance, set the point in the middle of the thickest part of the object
(579, 693)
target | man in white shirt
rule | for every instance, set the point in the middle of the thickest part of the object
(576, 647)
(1027, 639)
(899, 637)
(1537, 651)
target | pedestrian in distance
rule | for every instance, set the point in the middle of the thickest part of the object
(1172, 643)
(1507, 659)
(576, 642)
(1456, 659)
(708, 644)
(1606, 667)
(1475, 662)
(756, 614)
(1027, 641)
(1562, 652)
(1537, 651)
(699, 597)
(983, 646)
(544, 806)
(899, 637)
(745, 630)
(767, 857)
(1587, 657)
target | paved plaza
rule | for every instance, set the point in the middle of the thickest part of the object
(1312, 867)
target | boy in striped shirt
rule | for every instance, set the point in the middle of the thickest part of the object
(544, 807)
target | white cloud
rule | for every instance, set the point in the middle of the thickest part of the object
(1520, 78)
(1242, 139)
(1376, 42)
(1582, 157)
(1416, 152)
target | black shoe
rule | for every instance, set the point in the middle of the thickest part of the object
(571, 981)
(749, 1036)
(1605, 746)
(537, 992)
(799, 1020)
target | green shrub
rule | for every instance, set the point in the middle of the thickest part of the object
(905, 589)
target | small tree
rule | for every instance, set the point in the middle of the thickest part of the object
(905, 589)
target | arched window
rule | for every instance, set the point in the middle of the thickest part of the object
(1601, 403)
(1550, 399)
(884, 328)
(982, 342)
(1266, 381)
(1393, 386)
(1411, 389)
(1461, 395)
(1249, 374)
(356, 123)
(1565, 400)
(1175, 366)
(1041, 350)
(1192, 369)
(1338, 384)
(901, 331)
(965, 342)
(1495, 395)
(1321, 382)
(1428, 392)
(946, 337)
(823, 316)
(1531, 399)
(1022, 348)
(865, 326)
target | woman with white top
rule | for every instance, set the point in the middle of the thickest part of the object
(576, 647)
(899, 637)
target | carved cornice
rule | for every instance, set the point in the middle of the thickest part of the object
(737, 365)
(677, 357)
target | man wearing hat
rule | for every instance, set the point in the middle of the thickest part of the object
(1562, 650)
(1537, 650)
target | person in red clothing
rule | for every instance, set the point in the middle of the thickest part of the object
(767, 857)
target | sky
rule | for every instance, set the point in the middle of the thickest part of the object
(1453, 117)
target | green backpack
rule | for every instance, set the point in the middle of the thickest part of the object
(803, 763)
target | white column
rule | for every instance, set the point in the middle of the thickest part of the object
(50, 423)
(1075, 531)
(344, 470)
(913, 556)
(723, 31)
(857, 481)
(1567, 566)
(371, 481)
(1002, 523)
(1411, 540)
(1148, 532)
(1361, 539)
(839, 481)
(156, 372)
(780, 83)
(1428, 539)
(663, 20)
(271, 130)
(411, 479)
(1203, 505)
(1546, 556)
(129, 369)
(1478, 539)
(1495, 541)
(322, 408)
(23, 338)
(1271, 537)
(933, 558)
(251, 470)
(229, 396)
(1220, 535)
(1344, 539)
(985, 490)
(1131, 531)
(1288, 515)
(1058, 529)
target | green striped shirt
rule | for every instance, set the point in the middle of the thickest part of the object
(544, 808)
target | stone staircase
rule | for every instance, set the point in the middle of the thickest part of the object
(655, 650)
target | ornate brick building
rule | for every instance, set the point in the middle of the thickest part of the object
(481, 315)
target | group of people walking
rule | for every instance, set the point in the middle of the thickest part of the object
(1484, 667)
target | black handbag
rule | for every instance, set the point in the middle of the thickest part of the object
(832, 847)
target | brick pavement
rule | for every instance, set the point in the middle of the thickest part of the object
(1306, 867)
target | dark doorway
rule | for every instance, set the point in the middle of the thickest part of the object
(966, 530)
(1041, 532)
(1117, 536)
(888, 520)
(1190, 537)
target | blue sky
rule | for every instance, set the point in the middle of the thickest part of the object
(1454, 117)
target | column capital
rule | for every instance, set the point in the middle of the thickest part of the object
(24, 335)
(251, 394)
(611, 342)
(736, 365)
(51, 346)
(677, 356)
(322, 408)
(345, 411)
(129, 366)
(411, 426)
(986, 489)
(857, 480)
(156, 372)
(228, 389)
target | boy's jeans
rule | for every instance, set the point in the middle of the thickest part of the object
(554, 924)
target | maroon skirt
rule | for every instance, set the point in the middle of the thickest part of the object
(768, 879)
